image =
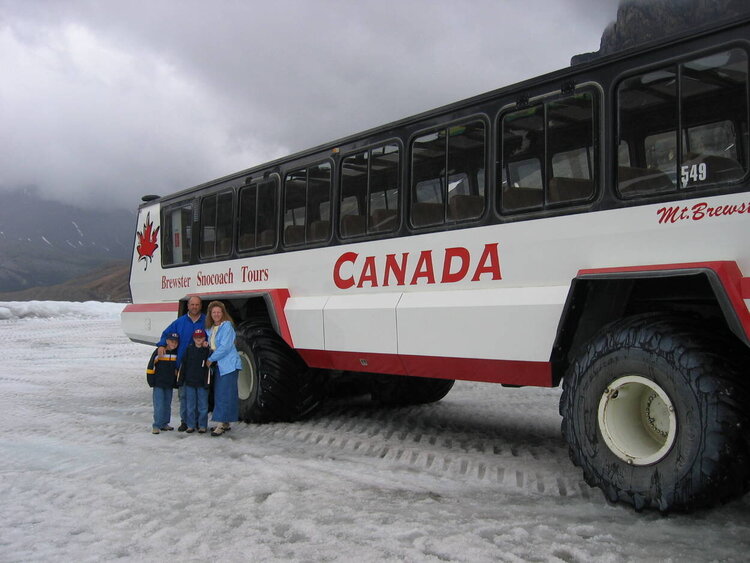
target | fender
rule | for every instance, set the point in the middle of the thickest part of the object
(725, 277)
(597, 297)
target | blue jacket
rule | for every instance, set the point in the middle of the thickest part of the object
(184, 326)
(194, 371)
(225, 355)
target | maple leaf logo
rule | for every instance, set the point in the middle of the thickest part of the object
(147, 244)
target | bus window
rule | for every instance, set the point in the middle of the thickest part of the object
(224, 223)
(208, 227)
(319, 203)
(570, 144)
(648, 115)
(713, 138)
(246, 235)
(383, 211)
(216, 225)
(257, 225)
(353, 214)
(548, 154)
(574, 163)
(522, 157)
(705, 100)
(267, 213)
(295, 194)
(466, 159)
(443, 164)
(623, 153)
(428, 168)
(307, 205)
(176, 229)
(661, 153)
(710, 152)
(369, 192)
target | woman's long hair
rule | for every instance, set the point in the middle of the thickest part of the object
(224, 315)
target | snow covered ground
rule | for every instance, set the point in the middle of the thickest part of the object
(481, 476)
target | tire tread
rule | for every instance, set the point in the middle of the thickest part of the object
(722, 473)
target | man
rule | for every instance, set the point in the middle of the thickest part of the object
(185, 326)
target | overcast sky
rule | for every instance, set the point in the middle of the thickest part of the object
(104, 101)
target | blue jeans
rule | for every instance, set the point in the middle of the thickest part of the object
(162, 407)
(183, 405)
(226, 399)
(196, 404)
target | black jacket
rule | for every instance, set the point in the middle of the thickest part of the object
(193, 369)
(161, 370)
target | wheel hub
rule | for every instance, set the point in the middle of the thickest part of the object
(246, 379)
(637, 420)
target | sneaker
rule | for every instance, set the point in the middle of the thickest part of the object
(201, 430)
(155, 431)
(217, 431)
(182, 427)
(225, 426)
(190, 430)
(167, 427)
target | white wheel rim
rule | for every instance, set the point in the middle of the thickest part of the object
(246, 379)
(637, 420)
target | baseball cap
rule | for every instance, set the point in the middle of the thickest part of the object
(173, 336)
(199, 332)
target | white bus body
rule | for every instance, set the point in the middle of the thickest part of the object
(498, 325)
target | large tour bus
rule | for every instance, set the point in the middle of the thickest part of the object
(588, 227)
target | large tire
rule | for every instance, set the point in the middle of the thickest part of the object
(655, 414)
(397, 390)
(274, 383)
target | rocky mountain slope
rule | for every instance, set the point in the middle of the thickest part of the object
(108, 282)
(44, 243)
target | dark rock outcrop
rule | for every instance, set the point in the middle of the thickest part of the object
(641, 21)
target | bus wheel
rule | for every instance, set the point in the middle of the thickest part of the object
(404, 390)
(655, 415)
(274, 383)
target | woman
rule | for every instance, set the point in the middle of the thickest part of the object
(221, 335)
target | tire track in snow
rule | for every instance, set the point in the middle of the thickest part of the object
(427, 439)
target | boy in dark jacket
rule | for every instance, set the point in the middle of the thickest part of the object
(194, 376)
(161, 375)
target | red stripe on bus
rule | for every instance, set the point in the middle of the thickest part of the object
(512, 372)
(151, 308)
(745, 288)
(728, 272)
(278, 297)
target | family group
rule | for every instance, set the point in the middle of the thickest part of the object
(197, 356)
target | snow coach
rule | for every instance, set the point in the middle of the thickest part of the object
(586, 228)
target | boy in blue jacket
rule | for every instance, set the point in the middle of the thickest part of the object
(194, 376)
(161, 375)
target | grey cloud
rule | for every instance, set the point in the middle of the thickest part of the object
(110, 100)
